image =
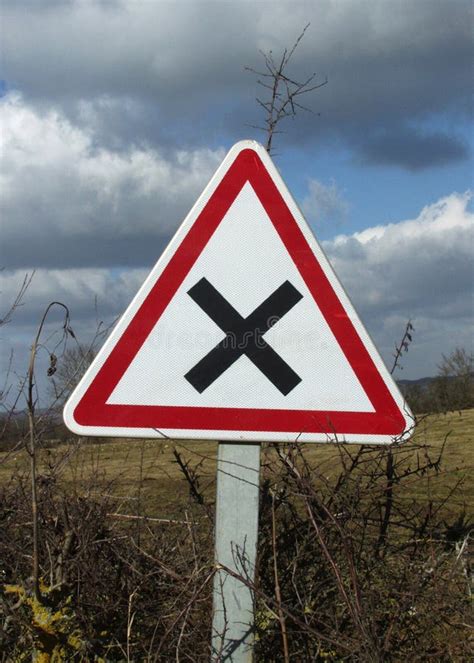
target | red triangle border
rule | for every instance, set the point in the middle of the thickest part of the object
(93, 410)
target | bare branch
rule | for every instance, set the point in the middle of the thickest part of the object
(283, 90)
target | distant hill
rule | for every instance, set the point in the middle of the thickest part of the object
(439, 394)
(423, 383)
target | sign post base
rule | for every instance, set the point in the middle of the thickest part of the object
(238, 471)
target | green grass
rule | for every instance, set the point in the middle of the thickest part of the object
(115, 467)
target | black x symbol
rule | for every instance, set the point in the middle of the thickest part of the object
(243, 336)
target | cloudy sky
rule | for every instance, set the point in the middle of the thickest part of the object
(114, 115)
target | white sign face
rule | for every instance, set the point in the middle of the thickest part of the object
(241, 332)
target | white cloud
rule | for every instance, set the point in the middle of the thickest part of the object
(81, 290)
(422, 269)
(324, 203)
(434, 221)
(65, 200)
(412, 263)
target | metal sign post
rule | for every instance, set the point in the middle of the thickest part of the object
(236, 527)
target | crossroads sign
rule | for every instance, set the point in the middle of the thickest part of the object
(241, 332)
(244, 336)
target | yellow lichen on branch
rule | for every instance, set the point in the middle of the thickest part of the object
(55, 637)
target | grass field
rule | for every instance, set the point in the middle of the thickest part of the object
(146, 471)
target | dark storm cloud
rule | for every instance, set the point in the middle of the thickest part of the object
(98, 249)
(173, 72)
(413, 150)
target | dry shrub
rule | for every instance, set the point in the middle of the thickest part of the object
(111, 589)
(351, 567)
(364, 571)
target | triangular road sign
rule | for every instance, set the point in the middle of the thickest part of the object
(242, 331)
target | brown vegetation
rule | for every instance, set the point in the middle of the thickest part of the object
(126, 551)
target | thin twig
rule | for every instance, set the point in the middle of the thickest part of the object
(281, 614)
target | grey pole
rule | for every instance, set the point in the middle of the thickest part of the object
(238, 472)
